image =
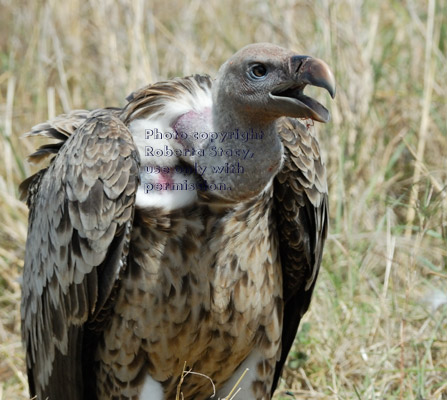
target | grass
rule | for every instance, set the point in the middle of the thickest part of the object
(377, 328)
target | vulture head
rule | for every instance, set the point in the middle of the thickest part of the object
(253, 89)
(264, 81)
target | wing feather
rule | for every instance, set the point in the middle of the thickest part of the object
(301, 209)
(81, 211)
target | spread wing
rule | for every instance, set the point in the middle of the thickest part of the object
(301, 209)
(81, 210)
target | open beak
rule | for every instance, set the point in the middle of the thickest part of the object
(305, 71)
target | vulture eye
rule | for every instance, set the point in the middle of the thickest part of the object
(258, 71)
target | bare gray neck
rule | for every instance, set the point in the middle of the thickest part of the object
(244, 158)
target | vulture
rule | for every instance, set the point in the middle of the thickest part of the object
(178, 238)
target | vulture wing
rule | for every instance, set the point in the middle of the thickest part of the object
(301, 208)
(81, 210)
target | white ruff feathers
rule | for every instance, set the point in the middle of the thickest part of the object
(148, 194)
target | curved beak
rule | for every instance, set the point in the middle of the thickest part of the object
(313, 71)
(289, 95)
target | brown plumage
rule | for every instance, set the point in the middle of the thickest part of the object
(123, 284)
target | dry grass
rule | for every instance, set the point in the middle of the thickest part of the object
(378, 322)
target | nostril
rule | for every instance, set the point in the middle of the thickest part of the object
(296, 62)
